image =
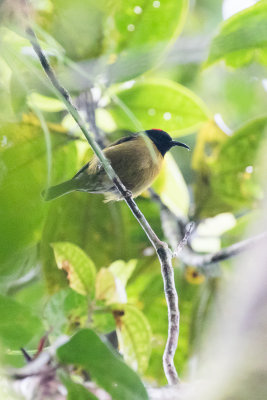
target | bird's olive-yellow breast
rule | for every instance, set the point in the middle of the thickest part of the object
(137, 163)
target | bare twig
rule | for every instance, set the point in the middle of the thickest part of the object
(163, 251)
(88, 104)
(174, 227)
(201, 261)
(188, 231)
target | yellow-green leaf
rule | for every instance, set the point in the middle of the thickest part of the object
(108, 288)
(134, 335)
(123, 270)
(79, 267)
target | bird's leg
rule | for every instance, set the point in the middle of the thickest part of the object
(128, 194)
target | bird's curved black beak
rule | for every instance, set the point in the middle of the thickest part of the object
(175, 143)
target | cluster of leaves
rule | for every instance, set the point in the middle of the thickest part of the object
(114, 48)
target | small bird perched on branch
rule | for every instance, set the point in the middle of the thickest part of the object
(136, 159)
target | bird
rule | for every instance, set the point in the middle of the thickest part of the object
(137, 160)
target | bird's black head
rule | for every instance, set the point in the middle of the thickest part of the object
(163, 141)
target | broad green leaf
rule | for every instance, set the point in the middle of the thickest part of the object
(18, 325)
(238, 165)
(65, 312)
(108, 288)
(87, 350)
(111, 282)
(130, 36)
(24, 160)
(134, 335)
(105, 287)
(233, 180)
(143, 22)
(122, 270)
(137, 33)
(79, 267)
(159, 104)
(171, 187)
(242, 38)
(209, 142)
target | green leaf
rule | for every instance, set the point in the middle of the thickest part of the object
(209, 142)
(123, 270)
(137, 33)
(233, 178)
(105, 285)
(242, 38)
(79, 267)
(134, 335)
(24, 160)
(107, 289)
(18, 325)
(159, 104)
(111, 282)
(238, 166)
(143, 22)
(131, 36)
(87, 350)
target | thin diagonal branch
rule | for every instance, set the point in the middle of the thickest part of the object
(163, 251)
(188, 231)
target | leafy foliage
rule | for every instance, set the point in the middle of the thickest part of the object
(87, 350)
(24, 166)
(242, 38)
(80, 267)
(230, 164)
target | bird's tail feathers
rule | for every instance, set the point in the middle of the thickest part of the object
(58, 190)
